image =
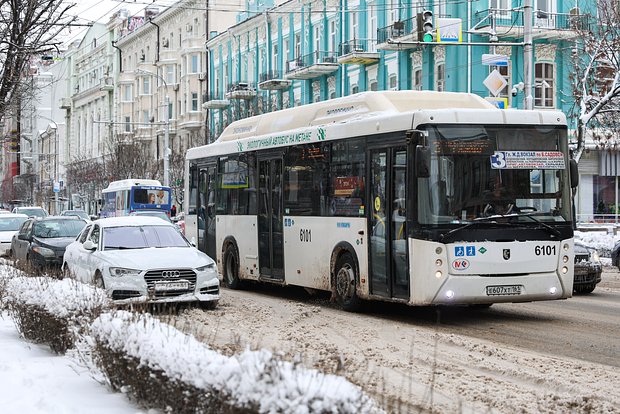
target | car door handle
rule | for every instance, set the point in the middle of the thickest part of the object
(360, 232)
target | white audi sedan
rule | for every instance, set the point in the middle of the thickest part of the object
(139, 259)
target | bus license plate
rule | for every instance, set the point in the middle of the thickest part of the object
(504, 290)
(167, 286)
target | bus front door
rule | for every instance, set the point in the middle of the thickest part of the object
(206, 211)
(389, 276)
(270, 220)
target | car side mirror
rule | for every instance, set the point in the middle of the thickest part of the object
(89, 245)
(22, 236)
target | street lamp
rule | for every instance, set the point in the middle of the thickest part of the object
(166, 125)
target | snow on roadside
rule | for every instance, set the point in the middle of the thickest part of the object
(251, 378)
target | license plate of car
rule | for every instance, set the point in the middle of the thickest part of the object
(504, 290)
(167, 286)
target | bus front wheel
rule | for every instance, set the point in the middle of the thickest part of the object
(345, 281)
(231, 267)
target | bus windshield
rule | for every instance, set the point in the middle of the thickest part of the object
(481, 171)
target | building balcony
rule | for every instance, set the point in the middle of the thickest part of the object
(65, 103)
(273, 81)
(312, 66)
(191, 121)
(106, 83)
(357, 52)
(241, 90)
(214, 102)
(545, 25)
(400, 31)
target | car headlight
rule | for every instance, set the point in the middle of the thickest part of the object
(43, 251)
(210, 266)
(122, 271)
(595, 257)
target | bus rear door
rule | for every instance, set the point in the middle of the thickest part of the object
(206, 210)
(270, 218)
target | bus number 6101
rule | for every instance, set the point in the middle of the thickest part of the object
(544, 250)
(305, 235)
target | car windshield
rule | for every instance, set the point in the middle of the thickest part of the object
(58, 228)
(11, 223)
(32, 212)
(77, 213)
(141, 237)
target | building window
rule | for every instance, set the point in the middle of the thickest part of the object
(502, 8)
(298, 45)
(332, 36)
(373, 85)
(317, 38)
(440, 76)
(544, 85)
(416, 82)
(355, 89)
(393, 82)
(127, 124)
(146, 117)
(146, 85)
(194, 101)
(194, 65)
(275, 64)
(127, 93)
(169, 74)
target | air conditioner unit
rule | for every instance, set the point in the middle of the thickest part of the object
(165, 43)
(202, 76)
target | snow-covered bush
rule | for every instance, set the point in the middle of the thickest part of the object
(52, 311)
(162, 368)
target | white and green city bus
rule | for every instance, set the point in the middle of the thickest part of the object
(424, 198)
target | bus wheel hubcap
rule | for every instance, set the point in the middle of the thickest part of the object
(345, 282)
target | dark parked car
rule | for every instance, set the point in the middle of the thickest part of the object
(615, 255)
(588, 269)
(42, 242)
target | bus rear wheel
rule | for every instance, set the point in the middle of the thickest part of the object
(231, 267)
(345, 282)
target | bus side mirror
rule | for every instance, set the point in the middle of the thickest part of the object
(574, 173)
(422, 161)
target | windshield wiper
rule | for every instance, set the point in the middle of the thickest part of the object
(551, 230)
(473, 223)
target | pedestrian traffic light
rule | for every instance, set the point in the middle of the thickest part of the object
(425, 26)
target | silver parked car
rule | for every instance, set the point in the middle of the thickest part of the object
(136, 258)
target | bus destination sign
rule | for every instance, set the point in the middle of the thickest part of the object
(528, 160)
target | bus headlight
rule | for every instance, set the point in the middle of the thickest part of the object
(564, 270)
(449, 294)
(565, 247)
(438, 262)
(438, 274)
(565, 259)
(552, 290)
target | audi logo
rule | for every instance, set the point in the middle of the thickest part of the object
(169, 274)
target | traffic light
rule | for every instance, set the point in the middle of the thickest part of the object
(425, 26)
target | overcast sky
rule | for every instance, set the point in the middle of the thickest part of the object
(101, 10)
